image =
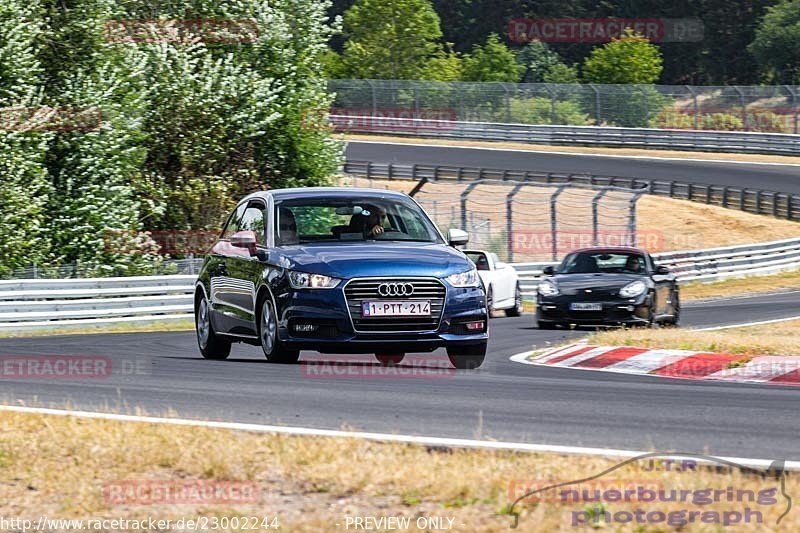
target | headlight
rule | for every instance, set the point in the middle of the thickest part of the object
(301, 280)
(633, 289)
(464, 279)
(548, 288)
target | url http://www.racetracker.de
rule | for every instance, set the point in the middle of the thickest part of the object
(196, 523)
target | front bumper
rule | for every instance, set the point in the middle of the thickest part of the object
(614, 312)
(319, 320)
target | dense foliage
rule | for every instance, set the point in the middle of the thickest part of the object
(720, 57)
(185, 125)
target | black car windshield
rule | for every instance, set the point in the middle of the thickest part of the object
(603, 263)
(356, 218)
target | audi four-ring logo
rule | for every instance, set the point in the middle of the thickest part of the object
(395, 289)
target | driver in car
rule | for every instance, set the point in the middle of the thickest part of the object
(634, 264)
(369, 220)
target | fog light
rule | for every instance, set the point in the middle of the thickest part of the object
(475, 326)
(305, 328)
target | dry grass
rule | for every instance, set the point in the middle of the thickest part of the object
(711, 156)
(689, 225)
(781, 338)
(748, 285)
(58, 466)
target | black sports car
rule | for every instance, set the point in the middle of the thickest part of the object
(607, 286)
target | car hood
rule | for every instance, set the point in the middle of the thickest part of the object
(351, 260)
(571, 282)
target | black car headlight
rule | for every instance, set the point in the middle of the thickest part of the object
(548, 288)
(631, 290)
(303, 280)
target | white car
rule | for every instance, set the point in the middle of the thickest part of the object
(501, 282)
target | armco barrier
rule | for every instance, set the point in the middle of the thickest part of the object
(757, 201)
(41, 304)
(659, 139)
(49, 303)
(703, 265)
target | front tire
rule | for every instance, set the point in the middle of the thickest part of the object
(272, 347)
(517, 309)
(467, 357)
(211, 345)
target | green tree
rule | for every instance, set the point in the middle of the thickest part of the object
(390, 40)
(24, 183)
(537, 58)
(446, 65)
(776, 46)
(629, 59)
(561, 73)
(491, 62)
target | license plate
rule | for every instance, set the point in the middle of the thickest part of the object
(376, 309)
(578, 306)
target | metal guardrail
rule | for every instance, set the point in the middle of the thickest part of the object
(40, 304)
(660, 139)
(702, 265)
(53, 303)
(757, 201)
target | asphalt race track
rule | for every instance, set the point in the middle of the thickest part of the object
(781, 178)
(508, 401)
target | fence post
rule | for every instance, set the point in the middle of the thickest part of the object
(794, 105)
(725, 196)
(596, 216)
(464, 196)
(694, 103)
(632, 218)
(554, 219)
(510, 220)
(742, 104)
(596, 103)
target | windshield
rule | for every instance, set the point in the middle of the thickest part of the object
(308, 220)
(603, 262)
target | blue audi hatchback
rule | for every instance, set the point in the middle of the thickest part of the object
(339, 270)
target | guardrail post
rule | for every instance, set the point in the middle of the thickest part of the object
(510, 220)
(464, 196)
(595, 215)
(741, 199)
(775, 199)
(554, 219)
(758, 202)
(725, 196)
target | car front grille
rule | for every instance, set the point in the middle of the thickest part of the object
(359, 290)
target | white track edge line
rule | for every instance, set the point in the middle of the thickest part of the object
(383, 437)
(747, 324)
(561, 152)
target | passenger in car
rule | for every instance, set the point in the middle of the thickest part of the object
(287, 227)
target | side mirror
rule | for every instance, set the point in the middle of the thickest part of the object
(549, 271)
(245, 239)
(661, 270)
(457, 237)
